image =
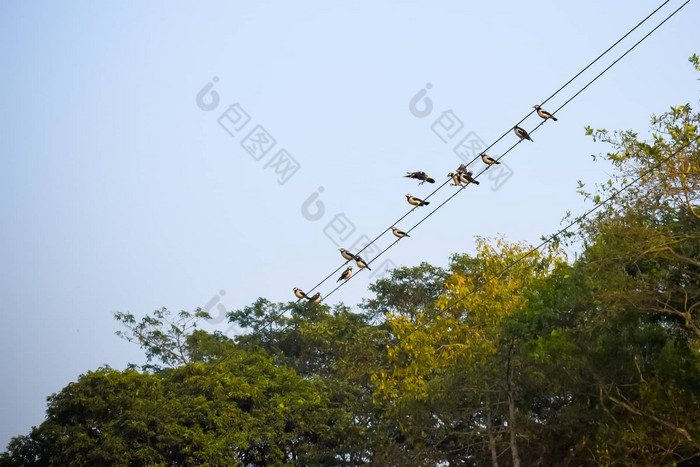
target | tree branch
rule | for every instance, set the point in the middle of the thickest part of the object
(667, 424)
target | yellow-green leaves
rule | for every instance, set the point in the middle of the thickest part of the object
(465, 335)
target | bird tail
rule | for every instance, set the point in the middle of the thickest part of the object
(475, 182)
(368, 268)
(425, 203)
(430, 180)
(553, 118)
(496, 162)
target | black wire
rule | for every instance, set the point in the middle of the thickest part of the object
(395, 242)
(532, 131)
(561, 231)
(499, 139)
(608, 50)
(522, 120)
(623, 55)
(548, 239)
(577, 220)
(373, 241)
(578, 74)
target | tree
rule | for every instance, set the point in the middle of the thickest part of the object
(338, 351)
(462, 363)
(406, 291)
(642, 261)
(226, 406)
(162, 337)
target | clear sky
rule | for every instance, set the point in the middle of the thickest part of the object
(122, 190)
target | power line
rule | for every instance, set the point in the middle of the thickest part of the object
(512, 147)
(578, 74)
(532, 131)
(554, 236)
(600, 204)
(623, 55)
(508, 131)
(373, 241)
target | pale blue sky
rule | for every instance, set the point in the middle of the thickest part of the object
(120, 194)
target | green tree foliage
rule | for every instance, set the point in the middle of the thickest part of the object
(642, 270)
(162, 337)
(406, 291)
(454, 380)
(237, 408)
(338, 351)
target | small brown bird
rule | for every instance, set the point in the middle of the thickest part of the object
(488, 160)
(316, 298)
(420, 176)
(416, 201)
(455, 178)
(299, 293)
(399, 233)
(544, 114)
(466, 178)
(346, 254)
(522, 134)
(361, 262)
(346, 274)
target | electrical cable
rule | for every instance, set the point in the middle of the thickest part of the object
(532, 131)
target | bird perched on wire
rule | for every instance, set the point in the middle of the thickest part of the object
(398, 232)
(466, 178)
(544, 114)
(299, 293)
(361, 263)
(346, 274)
(488, 160)
(522, 134)
(416, 201)
(420, 176)
(455, 178)
(346, 254)
(316, 298)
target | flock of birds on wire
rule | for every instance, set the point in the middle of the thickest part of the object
(462, 177)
